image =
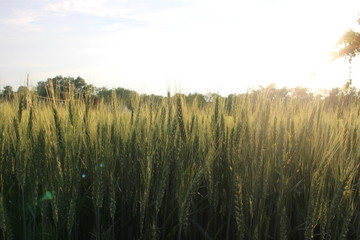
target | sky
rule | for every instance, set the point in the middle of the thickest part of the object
(183, 46)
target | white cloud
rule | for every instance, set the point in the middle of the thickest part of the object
(93, 7)
(20, 17)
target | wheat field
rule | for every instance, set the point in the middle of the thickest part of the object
(249, 167)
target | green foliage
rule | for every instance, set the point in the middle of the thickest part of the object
(8, 93)
(63, 87)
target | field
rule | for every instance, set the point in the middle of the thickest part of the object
(253, 166)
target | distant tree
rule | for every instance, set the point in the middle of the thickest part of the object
(349, 45)
(8, 92)
(152, 99)
(210, 97)
(79, 83)
(22, 89)
(334, 95)
(63, 87)
(272, 92)
(103, 93)
(41, 89)
(127, 97)
(230, 102)
(123, 93)
(301, 93)
(89, 89)
(197, 98)
(80, 86)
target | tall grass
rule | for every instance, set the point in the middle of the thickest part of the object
(254, 167)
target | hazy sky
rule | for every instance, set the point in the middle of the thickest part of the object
(187, 46)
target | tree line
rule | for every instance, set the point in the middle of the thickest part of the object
(62, 88)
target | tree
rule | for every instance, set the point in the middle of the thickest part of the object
(80, 85)
(8, 92)
(41, 89)
(89, 89)
(104, 93)
(301, 93)
(197, 98)
(349, 45)
(63, 86)
(22, 89)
